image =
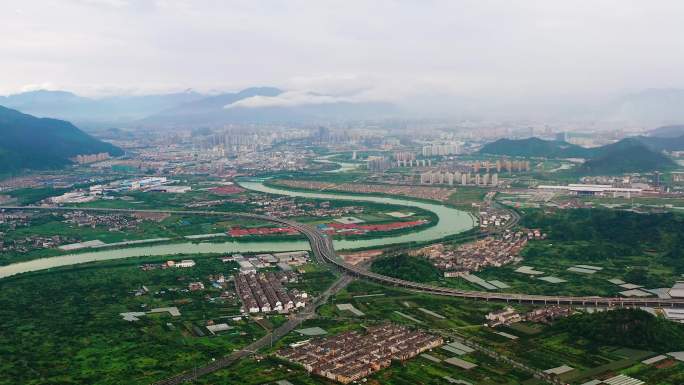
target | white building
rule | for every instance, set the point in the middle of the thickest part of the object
(185, 263)
(594, 189)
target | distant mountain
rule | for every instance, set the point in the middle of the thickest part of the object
(535, 147)
(625, 156)
(649, 106)
(217, 102)
(89, 111)
(192, 109)
(27, 142)
(222, 109)
(672, 131)
(206, 109)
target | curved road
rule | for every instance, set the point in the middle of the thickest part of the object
(323, 251)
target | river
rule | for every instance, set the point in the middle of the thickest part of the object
(451, 221)
(344, 167)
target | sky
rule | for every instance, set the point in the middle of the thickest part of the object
(365, 50)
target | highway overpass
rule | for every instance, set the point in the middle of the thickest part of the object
(324, 252)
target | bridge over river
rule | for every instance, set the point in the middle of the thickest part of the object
(324, 252)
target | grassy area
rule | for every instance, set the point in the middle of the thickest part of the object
(465, 196)
(70, 330)
(28, 196)
(666, 373)
(63, 326)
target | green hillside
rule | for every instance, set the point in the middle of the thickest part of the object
(672, 131)
(675, 143)
(409, 268)
(627, 155)
(625, 327)
(27, 142)
(639, 154)
(535, 147)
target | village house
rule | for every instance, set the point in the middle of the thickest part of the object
(506, 316)
(351, 356)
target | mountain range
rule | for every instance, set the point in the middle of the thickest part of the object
(671, 131)
(638, 154)
(190, 108)
(28, 142)
(535, 147)
(88, 111)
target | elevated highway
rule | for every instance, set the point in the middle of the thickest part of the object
(324, 252)
(323, 249)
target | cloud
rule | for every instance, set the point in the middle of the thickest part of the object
(41, 86)
(291, 99)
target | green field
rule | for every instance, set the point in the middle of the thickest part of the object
(63, 326)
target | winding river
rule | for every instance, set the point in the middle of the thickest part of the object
(451, 221)
(344, 166)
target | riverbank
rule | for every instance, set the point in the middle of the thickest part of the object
(451, 221)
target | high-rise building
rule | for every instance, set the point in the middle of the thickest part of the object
(378, 163)
(562, 136)
(323, 134)
(404, 155)
(440, 149)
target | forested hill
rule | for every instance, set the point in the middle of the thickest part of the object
(632, 328)
(627, 155)
(638, 154)
(405, 267)
(28, 142)
(535, 147)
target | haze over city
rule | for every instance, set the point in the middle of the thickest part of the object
(341, 192)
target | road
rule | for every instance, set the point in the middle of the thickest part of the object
(323, 251)
(308, 312)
